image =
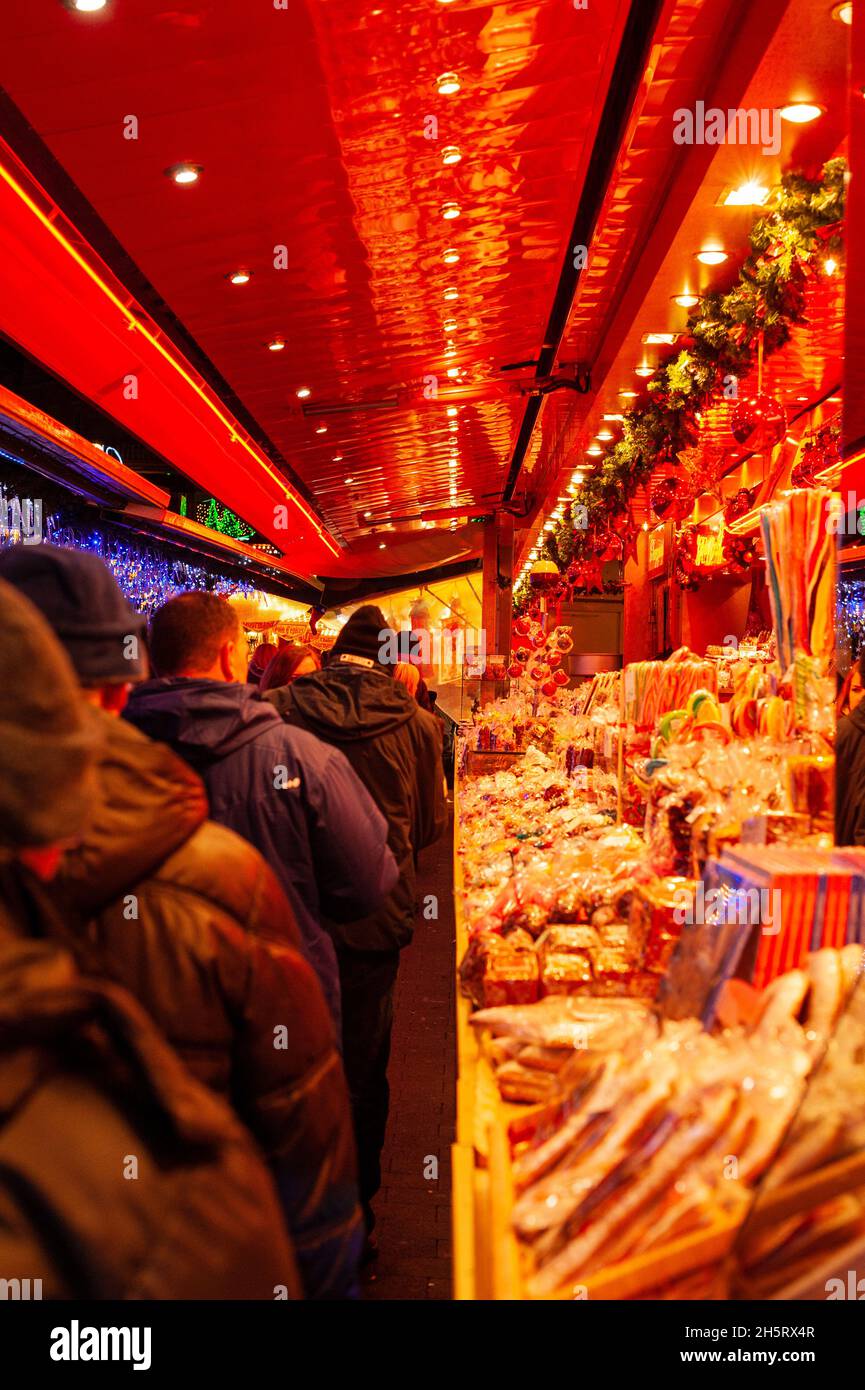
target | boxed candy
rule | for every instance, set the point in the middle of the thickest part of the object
(658, 912)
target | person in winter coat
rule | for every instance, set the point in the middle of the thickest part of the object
(188, 916)
(87, 1086)
(355, 705)
(850, 767)
(291, 796)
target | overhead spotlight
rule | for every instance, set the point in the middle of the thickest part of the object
(451, 155)
(629, 395)
(450, 325)
(830, 265)
(711, 255)
(844, 13)
(686, 301)
(453, 372)
(801, 112)
(450, 211)
(451, 255)
(367, 515)
(184, 173)
(452, 410)
(617, 418)
(644, 369)
(382, 545)
(595, 450)
(451, 293)
(660, 339)
(448, 84)
(239, 277)
(276, 345)
(349, 481)
(337, 458)
(605, 434)
(86, 6)
(751, 194)
(302, 392)
(321, 429)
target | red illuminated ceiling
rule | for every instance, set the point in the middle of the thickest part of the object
(310, 126)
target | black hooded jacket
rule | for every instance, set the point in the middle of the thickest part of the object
(395, 749)
(850, 778)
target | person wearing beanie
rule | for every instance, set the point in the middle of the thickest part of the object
(191, 920)
(395, 748)
(67, 1047)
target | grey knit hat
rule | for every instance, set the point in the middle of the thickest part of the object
(48, 745)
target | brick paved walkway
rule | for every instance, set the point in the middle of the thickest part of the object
(413, 1211)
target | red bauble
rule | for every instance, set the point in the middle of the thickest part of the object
(759, 422)
(515, 670)
(522, 627)
(549, 688)
(803, 474)
(671, 497)
(554, 659)
(522, 655)
(561, 677)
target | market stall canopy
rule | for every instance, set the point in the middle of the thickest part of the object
(327, 140)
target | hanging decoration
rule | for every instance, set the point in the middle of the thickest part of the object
(759, 422)
(149, 575)
(788, 247)
(226, 522)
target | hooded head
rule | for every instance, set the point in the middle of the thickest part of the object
(88, 612)
(363, 640)
(48, 747)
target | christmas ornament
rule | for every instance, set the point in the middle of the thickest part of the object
(759, 422)
(515, 670)
(544, 576)
(741, 502)
(671, 497)
(561, 678)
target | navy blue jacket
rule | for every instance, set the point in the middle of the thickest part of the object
(293, 797)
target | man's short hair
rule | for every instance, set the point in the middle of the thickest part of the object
(187, 632)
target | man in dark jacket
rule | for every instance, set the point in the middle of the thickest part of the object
(850, 775)
(292, 797)
(90, 1094)
(395, 748)
(189, 918)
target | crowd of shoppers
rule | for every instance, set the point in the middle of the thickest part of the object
(205, 891)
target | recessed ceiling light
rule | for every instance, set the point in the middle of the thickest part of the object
(276, 345)
(594, 450)
(448, 84)
(367, 515)
(450, 211)
(451, 293)
(450, 325)
(453, 371)
(349, 481)
(830, 265)
(833, 400)
(452, 410)
(382, 545)
(660, 339)
(321, 429)
(605, 434)
(87, 6)
(451, 155)
(337, 458)
(613, 417)
(686, 301)
(629, 395)
(302, 393)
(450, 256)
(239, 277)
(844, 13)
(184, 173)
(450, 350)
(644, 370)
(577, 476)
(712, 256)
(751, 194)
(801, 112)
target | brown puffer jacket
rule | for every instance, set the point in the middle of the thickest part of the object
(191, 920)
(120, 1176)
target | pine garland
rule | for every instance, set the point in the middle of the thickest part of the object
(720, 342)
